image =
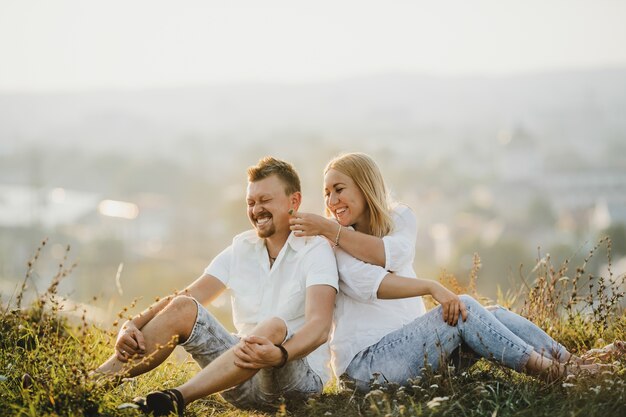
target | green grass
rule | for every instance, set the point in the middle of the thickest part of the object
(45, 361)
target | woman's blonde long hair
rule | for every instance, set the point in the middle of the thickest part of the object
(366, 175)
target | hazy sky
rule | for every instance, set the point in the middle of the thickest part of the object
(82, 45)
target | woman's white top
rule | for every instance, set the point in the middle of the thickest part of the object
(361, 319)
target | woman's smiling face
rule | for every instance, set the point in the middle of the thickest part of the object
(345, 200)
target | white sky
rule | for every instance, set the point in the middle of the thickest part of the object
(82, 44)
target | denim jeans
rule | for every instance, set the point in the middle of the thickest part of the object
(530, 333)
(498, 335)
(295, 381)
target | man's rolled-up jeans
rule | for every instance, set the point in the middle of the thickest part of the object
(295, 381)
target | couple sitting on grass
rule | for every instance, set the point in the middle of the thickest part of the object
(295, 276)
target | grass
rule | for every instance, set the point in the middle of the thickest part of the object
(45, 360)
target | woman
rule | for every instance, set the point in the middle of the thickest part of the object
(381, 325)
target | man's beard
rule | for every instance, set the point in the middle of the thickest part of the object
(266, 233)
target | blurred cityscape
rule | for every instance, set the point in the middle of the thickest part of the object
(147, 186)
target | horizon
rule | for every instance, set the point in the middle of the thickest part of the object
(320, 81)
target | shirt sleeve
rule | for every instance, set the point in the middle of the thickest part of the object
(358, 279)
(321, 266)
(220, 266)
(400, 243)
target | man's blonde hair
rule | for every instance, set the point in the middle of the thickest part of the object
(366, 175)
(269, 166)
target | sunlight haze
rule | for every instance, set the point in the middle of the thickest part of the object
(75, 45)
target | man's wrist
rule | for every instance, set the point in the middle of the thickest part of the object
(284, 356)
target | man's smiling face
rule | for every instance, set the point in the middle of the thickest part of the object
(268, 206)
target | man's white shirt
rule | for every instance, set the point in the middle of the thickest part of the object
(259, 292)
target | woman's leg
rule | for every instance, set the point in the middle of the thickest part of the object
(402, 354)
(489, 338)
(428, 340)
(547, 346)
(532, 334)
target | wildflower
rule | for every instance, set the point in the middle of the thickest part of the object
(595, 389)
(374, 393)
(567, 385)
(415, 380)
(434, 386)
(436, 402)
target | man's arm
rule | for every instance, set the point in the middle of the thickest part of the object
(320, 304)
(130, 340)
(261, 353)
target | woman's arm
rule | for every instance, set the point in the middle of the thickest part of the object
(394, 287)
(366, 283)
(367, 248)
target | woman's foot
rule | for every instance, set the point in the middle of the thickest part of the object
(609, 353)
(577, 369)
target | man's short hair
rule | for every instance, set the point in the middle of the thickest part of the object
(269, 166)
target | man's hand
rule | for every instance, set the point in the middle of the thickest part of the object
(255, 352)
(130, 342)
(451, 304)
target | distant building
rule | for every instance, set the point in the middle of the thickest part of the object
(520, 159)
(22, 206)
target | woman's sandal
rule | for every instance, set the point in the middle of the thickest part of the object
(608, 353)
(575, 369)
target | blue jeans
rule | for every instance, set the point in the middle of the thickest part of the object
(499, 335)
(295, 381)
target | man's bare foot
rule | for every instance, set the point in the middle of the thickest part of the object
(608, 353)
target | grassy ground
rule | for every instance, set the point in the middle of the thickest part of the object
(45, 360)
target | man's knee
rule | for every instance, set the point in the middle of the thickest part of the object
(274, 329)
(181, 304)
(182, 311)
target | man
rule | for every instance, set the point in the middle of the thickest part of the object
(282, 291)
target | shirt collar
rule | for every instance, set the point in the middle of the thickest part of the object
(296, 243)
